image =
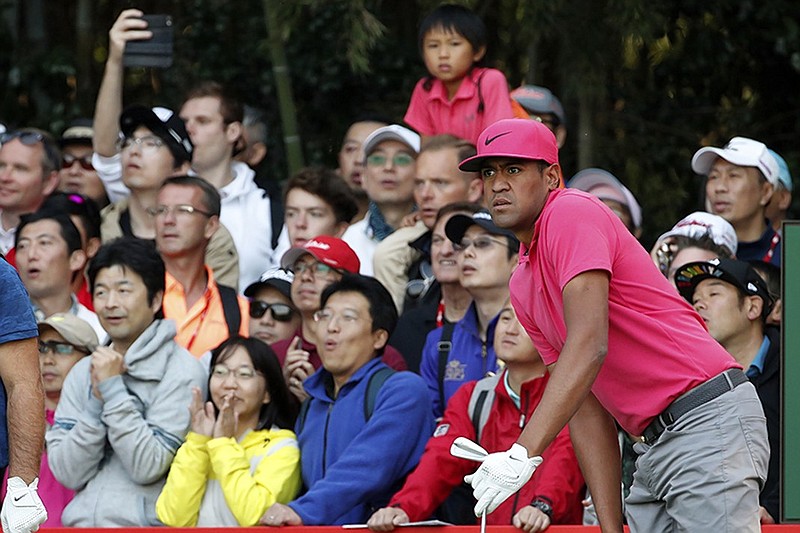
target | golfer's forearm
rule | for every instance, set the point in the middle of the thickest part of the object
(570, 382)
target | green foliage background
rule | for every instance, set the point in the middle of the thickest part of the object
(644, 83)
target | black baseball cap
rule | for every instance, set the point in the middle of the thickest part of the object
(275, 277)
(738, 273)
(164, 123)
(458, 225)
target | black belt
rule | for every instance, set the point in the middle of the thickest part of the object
(701, 394)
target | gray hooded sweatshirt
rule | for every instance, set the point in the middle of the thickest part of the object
(116, 452)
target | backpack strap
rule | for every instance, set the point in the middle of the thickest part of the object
(480, 403)
(443, 347)
(230, 308)
(376, 381)
(374, 385)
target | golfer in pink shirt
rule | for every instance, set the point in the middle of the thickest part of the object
(621, 345)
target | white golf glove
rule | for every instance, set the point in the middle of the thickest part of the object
(500, 475)
(23, 510)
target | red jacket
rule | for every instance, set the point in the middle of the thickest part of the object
(558, 479)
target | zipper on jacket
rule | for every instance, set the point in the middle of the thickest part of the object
(325, 439)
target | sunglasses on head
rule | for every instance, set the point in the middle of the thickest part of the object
(28, 138)
(280, 312)
(31, 138)
(85, 162)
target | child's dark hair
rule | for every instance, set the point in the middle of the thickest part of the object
(456, 19)
(281, 411)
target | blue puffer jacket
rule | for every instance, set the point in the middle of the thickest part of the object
(351, 466)
(470, 359)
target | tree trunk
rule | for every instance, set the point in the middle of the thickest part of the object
(283, 84)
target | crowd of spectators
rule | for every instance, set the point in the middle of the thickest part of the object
(216, 352)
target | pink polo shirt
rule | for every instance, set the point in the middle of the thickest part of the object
(432, 113)
(658, 346)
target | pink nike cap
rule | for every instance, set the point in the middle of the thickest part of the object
(516, 138)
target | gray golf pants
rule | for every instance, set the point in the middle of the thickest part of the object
(705, 472)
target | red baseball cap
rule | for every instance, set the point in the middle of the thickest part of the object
(327, 250)
(516, 138)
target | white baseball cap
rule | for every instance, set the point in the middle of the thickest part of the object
(701, 223)
(740, 151)
(395, 132)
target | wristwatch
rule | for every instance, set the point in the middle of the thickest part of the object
(543, 505)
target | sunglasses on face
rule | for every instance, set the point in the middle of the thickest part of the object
(85, 162)
(280, 312)
(59, 348)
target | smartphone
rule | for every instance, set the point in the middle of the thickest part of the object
(153, 52)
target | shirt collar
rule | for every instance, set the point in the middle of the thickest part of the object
(757, 366)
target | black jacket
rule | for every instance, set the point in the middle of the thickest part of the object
(768, 387)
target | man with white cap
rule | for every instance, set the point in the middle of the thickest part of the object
(77, 175)
(273, 316)
(699, 236)
(741, 179)
(613, 193)
(620, 344)
(391, 166)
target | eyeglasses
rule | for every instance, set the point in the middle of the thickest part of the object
(147, 144)
(417, 288)
(280, 312)
(325, 316)
(480, 244)
(243, 373)
(177, 210)
(85, 162)
(59, 348)
(316, 268)
(399, 160)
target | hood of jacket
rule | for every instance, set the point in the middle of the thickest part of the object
(147, 357)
